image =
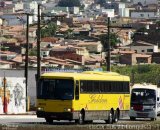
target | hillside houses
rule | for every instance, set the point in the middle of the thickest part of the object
(77, 40)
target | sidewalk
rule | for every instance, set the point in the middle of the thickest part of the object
(27, 113)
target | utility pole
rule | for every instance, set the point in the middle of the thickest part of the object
(4, 98)
(38, 46)
(108, 57)
(26, 59)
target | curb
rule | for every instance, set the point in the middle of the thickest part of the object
(14, 114)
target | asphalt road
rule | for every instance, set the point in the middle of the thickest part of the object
(32, 120)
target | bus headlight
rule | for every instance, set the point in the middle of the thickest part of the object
(67, 109)
(40, 108)
(131, 108)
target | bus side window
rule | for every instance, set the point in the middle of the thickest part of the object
(77, 90)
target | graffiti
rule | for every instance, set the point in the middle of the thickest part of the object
(18, 94)
(14, 101)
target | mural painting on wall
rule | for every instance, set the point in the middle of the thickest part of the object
(15, 95)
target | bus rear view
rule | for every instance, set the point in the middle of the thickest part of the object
(144, 101)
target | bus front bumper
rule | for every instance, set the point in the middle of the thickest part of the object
(142, 114)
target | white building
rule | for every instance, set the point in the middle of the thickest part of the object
(143, 14)
(92, 47)
(33, 8)
(19, 6)
(145, 2)
(109, 12)
(143, 47)
(74, 10)
(124, 12)
(121, 11)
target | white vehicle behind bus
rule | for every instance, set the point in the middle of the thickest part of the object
(145, 101)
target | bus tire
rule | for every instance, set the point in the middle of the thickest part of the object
(153, 119)
(76, 121)
(89, 121)
(110, 118)
(81, 118)
(116, 116)
(49, 120)
(132, 118)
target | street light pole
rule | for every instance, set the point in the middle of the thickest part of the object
(108, 58)
(26, 59)
(38, 46)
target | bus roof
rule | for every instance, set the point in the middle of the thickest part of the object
(87, 75)
(144, 86)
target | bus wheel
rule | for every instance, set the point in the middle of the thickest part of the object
(49, 120)
(152, 119)
(89, 121)
(81, 117)
(116, 116)
(132, 118)
(76, 121)
(110, 118)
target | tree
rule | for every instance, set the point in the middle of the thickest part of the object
(113, 40)
(69, 3)
(33, 52)
(69, 34)
(49, 30)
(82, 7)
(142, 73)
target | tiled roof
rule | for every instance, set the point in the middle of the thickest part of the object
(123, 52)
(16, 28)
(18, 59)
(53, 60)
(87, 43)
(142, 56)
(6, 62)
(141, 43)
(49, 39)
(8, 52)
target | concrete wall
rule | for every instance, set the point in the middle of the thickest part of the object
(14, 100)
(31, 80)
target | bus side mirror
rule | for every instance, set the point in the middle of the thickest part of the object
(77, 91)
(157, 98)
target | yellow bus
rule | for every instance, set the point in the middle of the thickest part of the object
(85, 96)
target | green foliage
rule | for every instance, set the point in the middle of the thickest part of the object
(113, 40)
(143, 68)
(68, 34)
(142, 73)
(33, 52)
(82, 7)
(49, 30)
(69, 3)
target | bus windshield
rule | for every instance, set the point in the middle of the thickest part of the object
(62, 89)
(143, 96)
